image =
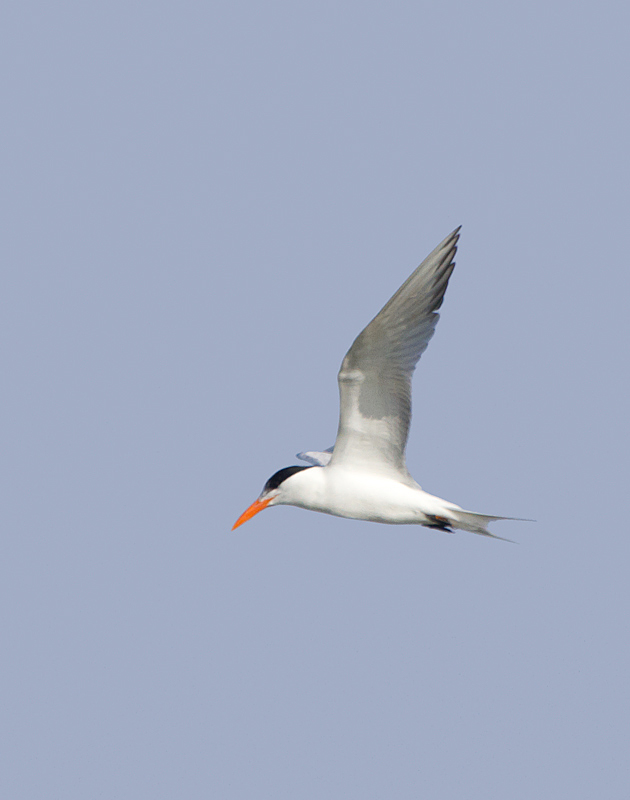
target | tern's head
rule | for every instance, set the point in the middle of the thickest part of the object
(271, 495)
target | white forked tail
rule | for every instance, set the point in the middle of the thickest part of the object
(476, 523)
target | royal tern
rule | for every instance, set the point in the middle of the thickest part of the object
(364, 476)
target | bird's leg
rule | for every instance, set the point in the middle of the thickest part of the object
(440, 523)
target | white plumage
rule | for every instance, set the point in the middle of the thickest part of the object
(365, 476)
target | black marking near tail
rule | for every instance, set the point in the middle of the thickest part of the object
(439, 523)
(280, 476)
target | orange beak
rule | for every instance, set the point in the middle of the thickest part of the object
(255, 507)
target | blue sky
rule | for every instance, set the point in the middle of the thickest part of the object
(203, 205)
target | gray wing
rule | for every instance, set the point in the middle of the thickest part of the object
(375, 376)
(316, 458)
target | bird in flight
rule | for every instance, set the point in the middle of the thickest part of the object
(364, 475)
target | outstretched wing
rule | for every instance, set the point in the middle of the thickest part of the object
(375, 376)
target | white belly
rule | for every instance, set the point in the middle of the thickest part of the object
(369, 496)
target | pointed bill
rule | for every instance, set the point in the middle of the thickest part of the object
(255, 507)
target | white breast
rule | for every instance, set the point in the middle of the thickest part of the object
(359, 495)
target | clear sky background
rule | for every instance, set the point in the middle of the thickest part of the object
(203, 204)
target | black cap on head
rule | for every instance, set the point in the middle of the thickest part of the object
(280, 476)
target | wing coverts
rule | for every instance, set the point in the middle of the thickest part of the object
(375, 375)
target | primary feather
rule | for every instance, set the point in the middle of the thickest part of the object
(375, 375)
